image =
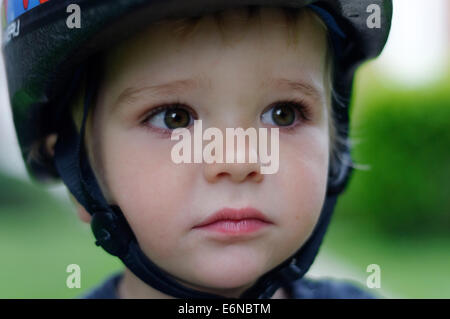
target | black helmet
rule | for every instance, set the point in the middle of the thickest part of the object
(44, 60)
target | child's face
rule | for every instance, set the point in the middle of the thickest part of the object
(163, 201)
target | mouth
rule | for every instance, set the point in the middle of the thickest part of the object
(230, 221)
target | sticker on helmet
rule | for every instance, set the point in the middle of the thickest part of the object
(12, 9)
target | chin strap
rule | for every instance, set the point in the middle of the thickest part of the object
(113, 233)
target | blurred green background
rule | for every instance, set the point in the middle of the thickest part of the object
(395, 212)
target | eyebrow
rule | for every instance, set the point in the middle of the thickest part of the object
(130, 95)
(296, 85)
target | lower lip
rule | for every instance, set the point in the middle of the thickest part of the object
(235, 227)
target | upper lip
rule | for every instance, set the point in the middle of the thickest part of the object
(234, 214)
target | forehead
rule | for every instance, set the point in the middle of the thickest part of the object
(233, 46)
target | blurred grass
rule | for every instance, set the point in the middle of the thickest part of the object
(39, 237)
(411, 267)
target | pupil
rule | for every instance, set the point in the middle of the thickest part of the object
(283, 115)
(176, 118)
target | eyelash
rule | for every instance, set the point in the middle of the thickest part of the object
(298, 104)
(165, 107)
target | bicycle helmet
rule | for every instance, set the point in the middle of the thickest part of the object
(45, 60)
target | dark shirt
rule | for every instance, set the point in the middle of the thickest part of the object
(304, 288)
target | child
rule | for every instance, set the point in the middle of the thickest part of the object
(106, 110)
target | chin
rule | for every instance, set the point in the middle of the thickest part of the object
(230, 276)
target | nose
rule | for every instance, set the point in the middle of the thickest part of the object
(236, 172)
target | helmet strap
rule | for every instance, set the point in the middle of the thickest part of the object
(113, 233)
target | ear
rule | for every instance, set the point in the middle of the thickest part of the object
(82, 213)
(50, 142)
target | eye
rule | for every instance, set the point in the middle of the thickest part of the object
(284, 113)
(170, 117)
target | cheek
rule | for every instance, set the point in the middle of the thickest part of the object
(302, 177)
(151, 190)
